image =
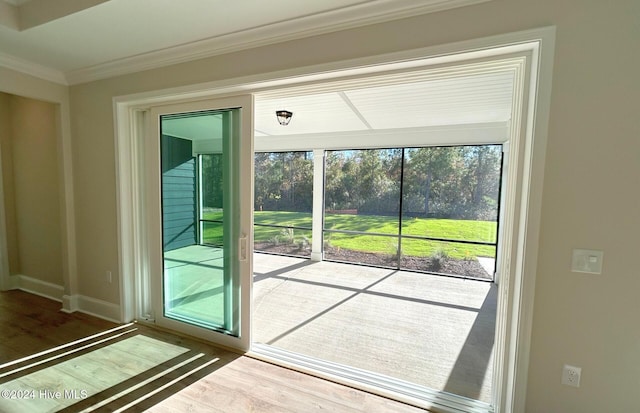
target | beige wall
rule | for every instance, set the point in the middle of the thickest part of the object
(590, 194)
(30, 181)
(6, 148)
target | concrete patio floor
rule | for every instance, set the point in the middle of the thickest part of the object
(433, 331)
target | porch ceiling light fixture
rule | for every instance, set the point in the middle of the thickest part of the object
(284, 117)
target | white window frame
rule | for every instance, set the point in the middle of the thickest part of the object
(528, 135)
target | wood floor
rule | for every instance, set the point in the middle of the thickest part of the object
(51, 361)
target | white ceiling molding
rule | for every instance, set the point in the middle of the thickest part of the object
(322, 23)
(32, 69)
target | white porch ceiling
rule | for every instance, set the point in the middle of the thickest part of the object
(405, 111)
(73, 41)
(462, 100)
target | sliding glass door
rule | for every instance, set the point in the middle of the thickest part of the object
(201, 225)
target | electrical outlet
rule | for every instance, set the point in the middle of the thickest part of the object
(571, 375)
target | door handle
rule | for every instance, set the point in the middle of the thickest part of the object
(242, 248)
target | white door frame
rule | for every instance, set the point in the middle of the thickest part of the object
(522, 208)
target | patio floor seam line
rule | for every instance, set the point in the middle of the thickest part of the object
(377, 293)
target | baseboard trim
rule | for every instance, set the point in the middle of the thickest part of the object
(37, 287)
(70, 303)
(98, 308)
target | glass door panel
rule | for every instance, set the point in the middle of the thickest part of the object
(202, 270)
(198, 278)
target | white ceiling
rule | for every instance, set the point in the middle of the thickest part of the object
(461, 100)
(73, 41)
(483, 98)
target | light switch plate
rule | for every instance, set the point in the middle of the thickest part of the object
(587, 261)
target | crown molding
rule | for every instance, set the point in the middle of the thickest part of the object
(332, 21)
(32, 69)
(322, 23)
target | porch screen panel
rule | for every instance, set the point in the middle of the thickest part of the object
(450, 209)
(283, 201)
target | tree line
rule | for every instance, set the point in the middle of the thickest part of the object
(460, 182)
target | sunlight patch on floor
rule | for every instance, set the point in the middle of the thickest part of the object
(67, 382)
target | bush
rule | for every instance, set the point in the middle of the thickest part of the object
(438, 257)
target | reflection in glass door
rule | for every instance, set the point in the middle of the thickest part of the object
(201, 270)
(198, 278)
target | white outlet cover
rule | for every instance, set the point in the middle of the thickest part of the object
(571, 375)
(587, 261)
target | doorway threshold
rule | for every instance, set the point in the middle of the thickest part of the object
(379, 384)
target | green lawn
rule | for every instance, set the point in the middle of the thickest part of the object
(438, 228)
